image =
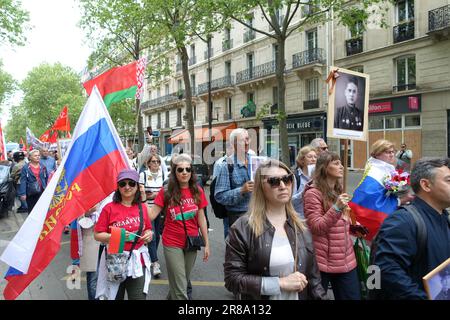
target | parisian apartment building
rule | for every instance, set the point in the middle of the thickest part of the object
(408, 63)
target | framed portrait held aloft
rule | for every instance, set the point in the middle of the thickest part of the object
(348, 105)
(254, 163)
(63, 146)
(437, 282)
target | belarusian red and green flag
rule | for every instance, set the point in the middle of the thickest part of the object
(119, 83)
(117, 240)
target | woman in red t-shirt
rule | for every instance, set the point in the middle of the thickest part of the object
(123, 212)
(183, 196)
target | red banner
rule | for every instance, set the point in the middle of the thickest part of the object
(380, 107)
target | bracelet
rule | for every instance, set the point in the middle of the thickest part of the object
(335, 207)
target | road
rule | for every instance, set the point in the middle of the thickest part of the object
(53, 283)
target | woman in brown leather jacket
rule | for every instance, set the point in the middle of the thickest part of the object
(269, 251)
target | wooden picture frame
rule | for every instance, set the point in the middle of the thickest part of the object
(342, 122)
(434, 279)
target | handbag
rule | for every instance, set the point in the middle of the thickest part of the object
(193, 243)
(117, 263)
(33, 188)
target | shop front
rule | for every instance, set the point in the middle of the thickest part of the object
(302, 129)
(396, 119)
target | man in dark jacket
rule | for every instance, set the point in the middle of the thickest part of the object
(397, 250)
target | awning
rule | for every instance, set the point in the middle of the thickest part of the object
(218, 133)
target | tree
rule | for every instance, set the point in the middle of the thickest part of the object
(318, 11)
(120, 32)
(13, 22)
(7, 85)
(182, 21)
(47, 88)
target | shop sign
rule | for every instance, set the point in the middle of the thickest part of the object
(413, 103)
(380, 107)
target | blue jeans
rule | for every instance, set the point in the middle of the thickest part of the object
(345, 285)
(91, 279)
(225, 227)
(153, 245)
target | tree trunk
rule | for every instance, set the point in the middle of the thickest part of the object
(282, 114)
(188, 96)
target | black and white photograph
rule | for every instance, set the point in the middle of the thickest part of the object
(63, 146)
(437, 282)
(348, 106)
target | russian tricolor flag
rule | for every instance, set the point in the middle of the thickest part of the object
(85, 177)
(370, 203)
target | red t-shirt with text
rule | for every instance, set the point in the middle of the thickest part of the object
(173, 234)
(117, 215)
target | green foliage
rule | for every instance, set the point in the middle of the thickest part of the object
(13, 22)
(47, 88)
(7, 85)
(123, 115)
(263, 112)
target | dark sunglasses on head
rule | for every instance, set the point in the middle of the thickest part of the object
(275, 182)
(180, 170)
(324, 148)
(123, 183)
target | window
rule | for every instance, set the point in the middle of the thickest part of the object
(179, 85)
(227, 34)
(158, 92)
(193, 84)
(405, 10)
(359, 69)
(192, 50)
(376, 123)
(250, 62)
(357, 29)
(149, 119)
(158, 125)
(412, 120)
(229, 108)
(195, 112)
(274, 107)
(166, 89)
(251, 96)
(227, 68)
(311, 39)
(406, 73)
(394, 122)
(179, 117)
(275, 52)
(312, 89)
(167, 119)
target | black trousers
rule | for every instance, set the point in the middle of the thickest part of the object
(32, 200)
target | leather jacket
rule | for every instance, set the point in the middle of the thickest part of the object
(247, 260)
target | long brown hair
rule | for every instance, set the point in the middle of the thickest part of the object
(329, 195)
(257, 207)
(173, 195)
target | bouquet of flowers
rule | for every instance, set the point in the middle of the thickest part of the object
(397, 183)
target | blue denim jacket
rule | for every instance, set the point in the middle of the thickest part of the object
(27, 176)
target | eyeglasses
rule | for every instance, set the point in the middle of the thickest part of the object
(323, 148)
(187, 169)
(123, 183)
(155, 161)
(275, 182)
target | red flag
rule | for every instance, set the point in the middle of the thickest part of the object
(62, 123)
(3, 155)
(23, 144)
(45, 136)
(54, 137)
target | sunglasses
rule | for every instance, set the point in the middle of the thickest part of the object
(275, 182)
(155, 161)
(324, 148)
(123, 183)
(188, 169)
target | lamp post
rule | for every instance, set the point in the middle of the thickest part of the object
(209, 90)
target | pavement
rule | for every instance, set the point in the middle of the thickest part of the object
(55, 283)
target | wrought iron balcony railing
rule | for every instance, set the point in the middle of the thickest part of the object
(404, 31)
(256, 72)
(304, 58)
(216, 84)
(354, 46)
(404, 87)
(439, 18)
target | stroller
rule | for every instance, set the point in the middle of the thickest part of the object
(7, 190)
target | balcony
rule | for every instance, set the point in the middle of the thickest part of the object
(312, 60)
(439, 20)
(257, 72)
(404, 31)
(192, 60)
(249, 35)
(354, 46)
(167, 99)
(311, 104)
(205, 54)
(404, 87)
(227, 44)
(217, 84)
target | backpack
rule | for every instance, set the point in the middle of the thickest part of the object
(219, 209)
(422, 236)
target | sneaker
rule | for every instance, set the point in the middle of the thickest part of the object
(156, 269)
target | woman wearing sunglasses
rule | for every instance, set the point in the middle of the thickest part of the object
(324, 204)
(269, 252)
(124, 212)
(152, 179)
(183, 202)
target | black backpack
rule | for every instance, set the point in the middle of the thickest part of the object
(219, 209)
(422, 236)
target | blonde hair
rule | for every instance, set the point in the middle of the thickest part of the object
(380, 146)
(257, 207)
(302, 154)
